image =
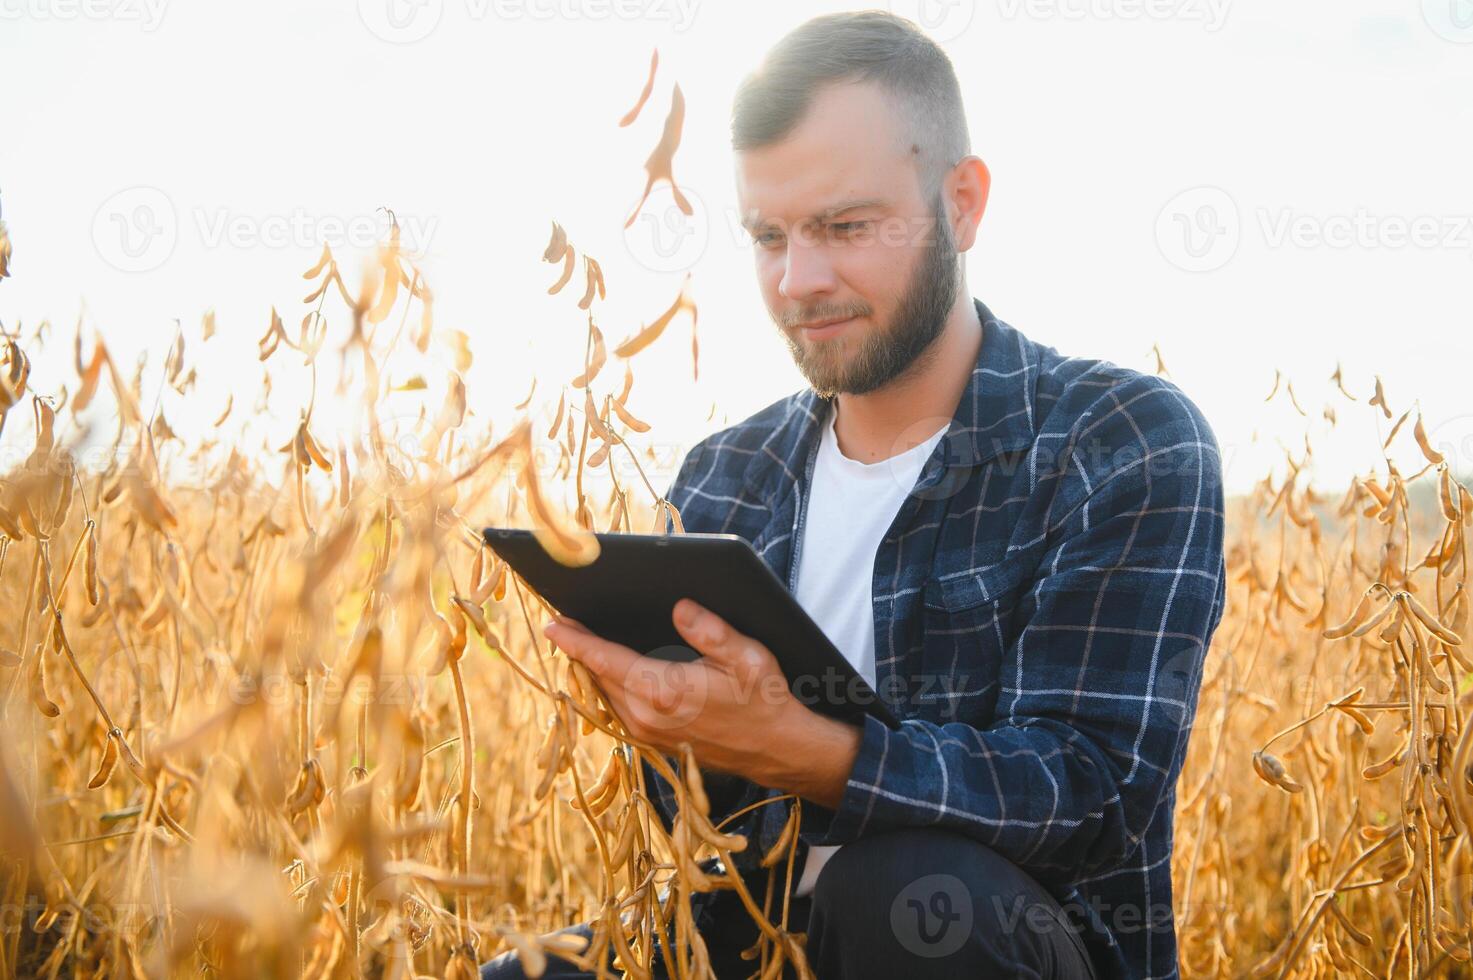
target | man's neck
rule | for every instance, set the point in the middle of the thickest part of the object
(915, 406)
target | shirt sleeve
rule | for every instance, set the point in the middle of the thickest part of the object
(1099, 683)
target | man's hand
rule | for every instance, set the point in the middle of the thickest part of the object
(732, 705)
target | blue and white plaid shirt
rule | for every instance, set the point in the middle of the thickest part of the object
(1043, 602)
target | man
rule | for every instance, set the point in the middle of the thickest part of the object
(1021, 552)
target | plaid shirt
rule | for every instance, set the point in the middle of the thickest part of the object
(1042, 602)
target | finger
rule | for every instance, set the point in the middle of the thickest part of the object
(603, 658)
(716, 638)
(651, 704)
(663, 695)
(561, 618)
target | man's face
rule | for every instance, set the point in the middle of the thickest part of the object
(841, 230)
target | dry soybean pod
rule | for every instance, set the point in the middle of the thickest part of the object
(1448, 497)
(624, 845)
(1379, 769)
(40, 697)
(605, 787)
(1374, 620)
(1357, 617)
(89, 565)
(702, 828)
(1444, 634)
(1419, 431)
(779, 848)
(582, 696)
(107, 764)
(693, 782)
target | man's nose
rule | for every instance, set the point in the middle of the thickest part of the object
(808, 272)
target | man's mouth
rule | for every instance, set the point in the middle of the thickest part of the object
(821, 329)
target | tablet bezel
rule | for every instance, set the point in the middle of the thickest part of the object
(637, 578)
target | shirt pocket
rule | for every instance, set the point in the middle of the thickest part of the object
(969, 625)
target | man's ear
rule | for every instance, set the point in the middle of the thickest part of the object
(965, 190)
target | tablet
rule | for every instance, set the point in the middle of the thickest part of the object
(628, 594)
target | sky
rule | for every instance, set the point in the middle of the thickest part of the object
(1254, 186)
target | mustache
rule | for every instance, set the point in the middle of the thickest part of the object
(792, 320)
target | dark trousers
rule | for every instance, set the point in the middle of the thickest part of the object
(915, 903)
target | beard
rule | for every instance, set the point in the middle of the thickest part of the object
(901, 344)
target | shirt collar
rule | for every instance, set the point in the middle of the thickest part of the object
(995, 415)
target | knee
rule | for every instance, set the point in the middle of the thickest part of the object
(892, 863)
(508, 966)
(504, 967)
(935, 894)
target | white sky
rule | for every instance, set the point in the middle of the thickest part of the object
(1099, 119)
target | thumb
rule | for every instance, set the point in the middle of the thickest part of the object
(570, 621)
(715, 638)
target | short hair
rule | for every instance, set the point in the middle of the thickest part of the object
(857, 46)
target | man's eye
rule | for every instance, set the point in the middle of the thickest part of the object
(767, 239)
(846, 227)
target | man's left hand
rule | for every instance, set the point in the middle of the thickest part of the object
(732, 704)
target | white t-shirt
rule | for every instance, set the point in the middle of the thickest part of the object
(850, 507)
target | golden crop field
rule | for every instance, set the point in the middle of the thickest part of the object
(273, 710)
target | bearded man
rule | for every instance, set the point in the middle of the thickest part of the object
(1020, 551)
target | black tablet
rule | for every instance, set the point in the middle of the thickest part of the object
(628, 594)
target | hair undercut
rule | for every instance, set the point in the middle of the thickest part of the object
(860, 46)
